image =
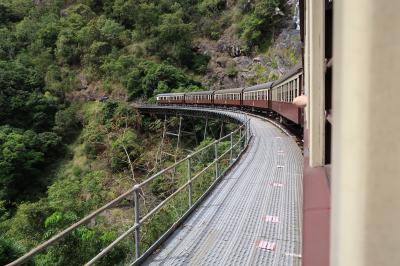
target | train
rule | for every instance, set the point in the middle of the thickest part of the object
(276, 96)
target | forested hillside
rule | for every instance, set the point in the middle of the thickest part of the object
(68, 69)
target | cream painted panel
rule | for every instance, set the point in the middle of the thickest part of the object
(317, 84)
(366, 144)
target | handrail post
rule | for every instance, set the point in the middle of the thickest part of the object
(189, 173)
(247, 132)
(231, 153)
(249, 128)
(216, 158)
(245, 135)
(240, 139)
(137, 220)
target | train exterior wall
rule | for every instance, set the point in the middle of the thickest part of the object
(287, 110)
(171, 101)
(201, 102)
(227, 102)
(263, 104)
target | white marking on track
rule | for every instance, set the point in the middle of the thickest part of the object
(263, 244)
(272, 219)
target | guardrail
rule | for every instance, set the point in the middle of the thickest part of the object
(238, 147)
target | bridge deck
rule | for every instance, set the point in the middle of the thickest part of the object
(236, 224)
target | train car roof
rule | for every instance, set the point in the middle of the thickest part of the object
(200, 93)
(296, 69)
(235, 90)
(171, 94)
(259, 87)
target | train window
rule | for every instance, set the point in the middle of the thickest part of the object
(284, 93)
(279, 94)
(287, 92)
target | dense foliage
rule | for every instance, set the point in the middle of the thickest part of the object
(261, 19)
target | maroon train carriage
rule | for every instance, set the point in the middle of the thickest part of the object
(171, 98)
(199, 97)
(229, 97)
(257, 96)
(284, 91)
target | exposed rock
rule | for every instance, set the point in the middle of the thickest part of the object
(257, 59)
(288, 38)
(221, 61)
(228, 58)
(230, 43)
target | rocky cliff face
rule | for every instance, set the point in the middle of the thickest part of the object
(230, 67)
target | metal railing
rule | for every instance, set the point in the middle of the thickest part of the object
(239, 146)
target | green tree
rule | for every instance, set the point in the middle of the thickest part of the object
(166, 42)
(262, 21)
(22, 156)
(7, 44)
(125, 145)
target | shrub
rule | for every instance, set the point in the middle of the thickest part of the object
(231, 70)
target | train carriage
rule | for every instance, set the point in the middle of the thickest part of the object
(171, 98)
(229, 97)
(199, 97)
(284, 91)
(257, 96)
